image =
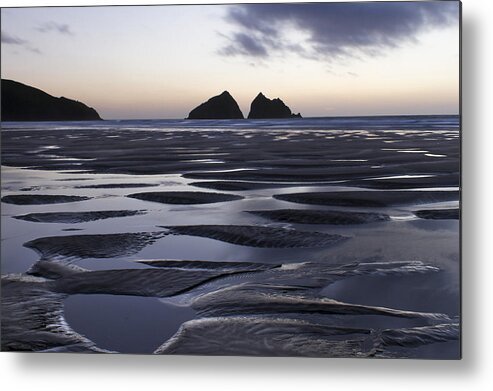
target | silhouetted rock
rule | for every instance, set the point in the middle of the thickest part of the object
(263, 107)
(218, 107)
(24, 103)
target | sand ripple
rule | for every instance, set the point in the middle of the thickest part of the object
(259, 298)
(185, 197)
(38, 199)
(238, 185)
(333, 217)
(206, 265)
(260, 336)
(93, 246)
(438, 214)
(115, 186)
(255, 236)
(137, 282)
(369, 198)
(76, 217)
(416, 336)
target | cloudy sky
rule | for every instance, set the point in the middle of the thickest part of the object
(325, 59)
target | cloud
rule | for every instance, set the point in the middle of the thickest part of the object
(331, 31)
(244, 44)
(34, 50)
(12, 40)
(55, 27)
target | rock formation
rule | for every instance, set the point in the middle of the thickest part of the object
(24, 103)
(263, 107)
(218, 107)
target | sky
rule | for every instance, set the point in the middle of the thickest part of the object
(325, 59)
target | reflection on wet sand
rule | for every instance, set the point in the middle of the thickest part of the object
(320, 242)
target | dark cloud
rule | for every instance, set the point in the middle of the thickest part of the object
(244, 44)
(332, 30)
(56, 27)
(11, 40)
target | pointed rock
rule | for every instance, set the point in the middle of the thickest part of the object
(218, 107)
(265, 108)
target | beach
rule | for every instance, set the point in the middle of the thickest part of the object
(326, 237)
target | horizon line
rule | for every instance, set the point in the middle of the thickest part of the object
(269, 119)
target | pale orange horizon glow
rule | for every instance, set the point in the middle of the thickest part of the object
(161, 62)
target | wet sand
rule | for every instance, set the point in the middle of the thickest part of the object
(38, 199)
(438, 214)
(253, 236)
(332, 217)
(184, 197)
(264, 260)
(76, 217)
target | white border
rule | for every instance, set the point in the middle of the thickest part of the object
(475, 372)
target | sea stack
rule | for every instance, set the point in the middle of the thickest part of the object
(21, 102)
(218, 107)
(265, 108)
